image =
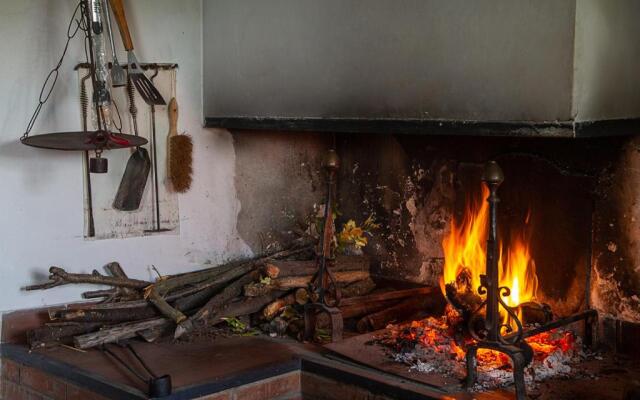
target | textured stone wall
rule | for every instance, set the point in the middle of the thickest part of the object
(615, 284)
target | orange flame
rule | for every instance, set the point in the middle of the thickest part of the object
(465, 254)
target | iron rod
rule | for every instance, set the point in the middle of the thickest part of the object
(584, 315)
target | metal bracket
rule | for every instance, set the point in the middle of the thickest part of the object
(311, 312)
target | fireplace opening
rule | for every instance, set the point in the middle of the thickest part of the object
(429, 193)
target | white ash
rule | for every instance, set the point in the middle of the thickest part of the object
(441, 358)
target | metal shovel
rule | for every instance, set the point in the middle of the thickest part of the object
(136, 173)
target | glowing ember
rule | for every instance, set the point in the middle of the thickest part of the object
(465, 256)
(428, 346)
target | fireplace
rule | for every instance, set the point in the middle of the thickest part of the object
(554, 197)
(435, 200)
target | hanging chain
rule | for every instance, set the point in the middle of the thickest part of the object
(75, 24)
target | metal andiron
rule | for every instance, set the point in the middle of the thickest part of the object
(324, 286)
(493, 334)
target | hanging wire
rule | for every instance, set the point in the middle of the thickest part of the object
(75, 24)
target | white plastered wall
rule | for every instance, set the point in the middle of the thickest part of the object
(41, 200)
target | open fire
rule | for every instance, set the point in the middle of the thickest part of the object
(439, 345)
(466, 258)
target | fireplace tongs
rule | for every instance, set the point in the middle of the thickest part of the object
(157, 386)
(324, 282)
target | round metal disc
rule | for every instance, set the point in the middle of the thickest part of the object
(84, 140)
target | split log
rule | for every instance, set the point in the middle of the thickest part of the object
(281, 269)
(55, 333)
(59, 277)
(400, 312)
(245, 307)
(273, 309)
(359, 288)
(302, 296)
(117, 333)
(293, 282)
(255, 289)
(272, 271)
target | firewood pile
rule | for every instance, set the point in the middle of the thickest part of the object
(266, 292)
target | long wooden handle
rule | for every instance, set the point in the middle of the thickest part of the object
(173, 117)
(118, 11)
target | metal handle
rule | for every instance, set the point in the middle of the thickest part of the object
(107, 18)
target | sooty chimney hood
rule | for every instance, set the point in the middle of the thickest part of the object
(549, 68)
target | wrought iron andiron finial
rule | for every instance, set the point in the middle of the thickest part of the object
(324, 282)
(491, 336)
